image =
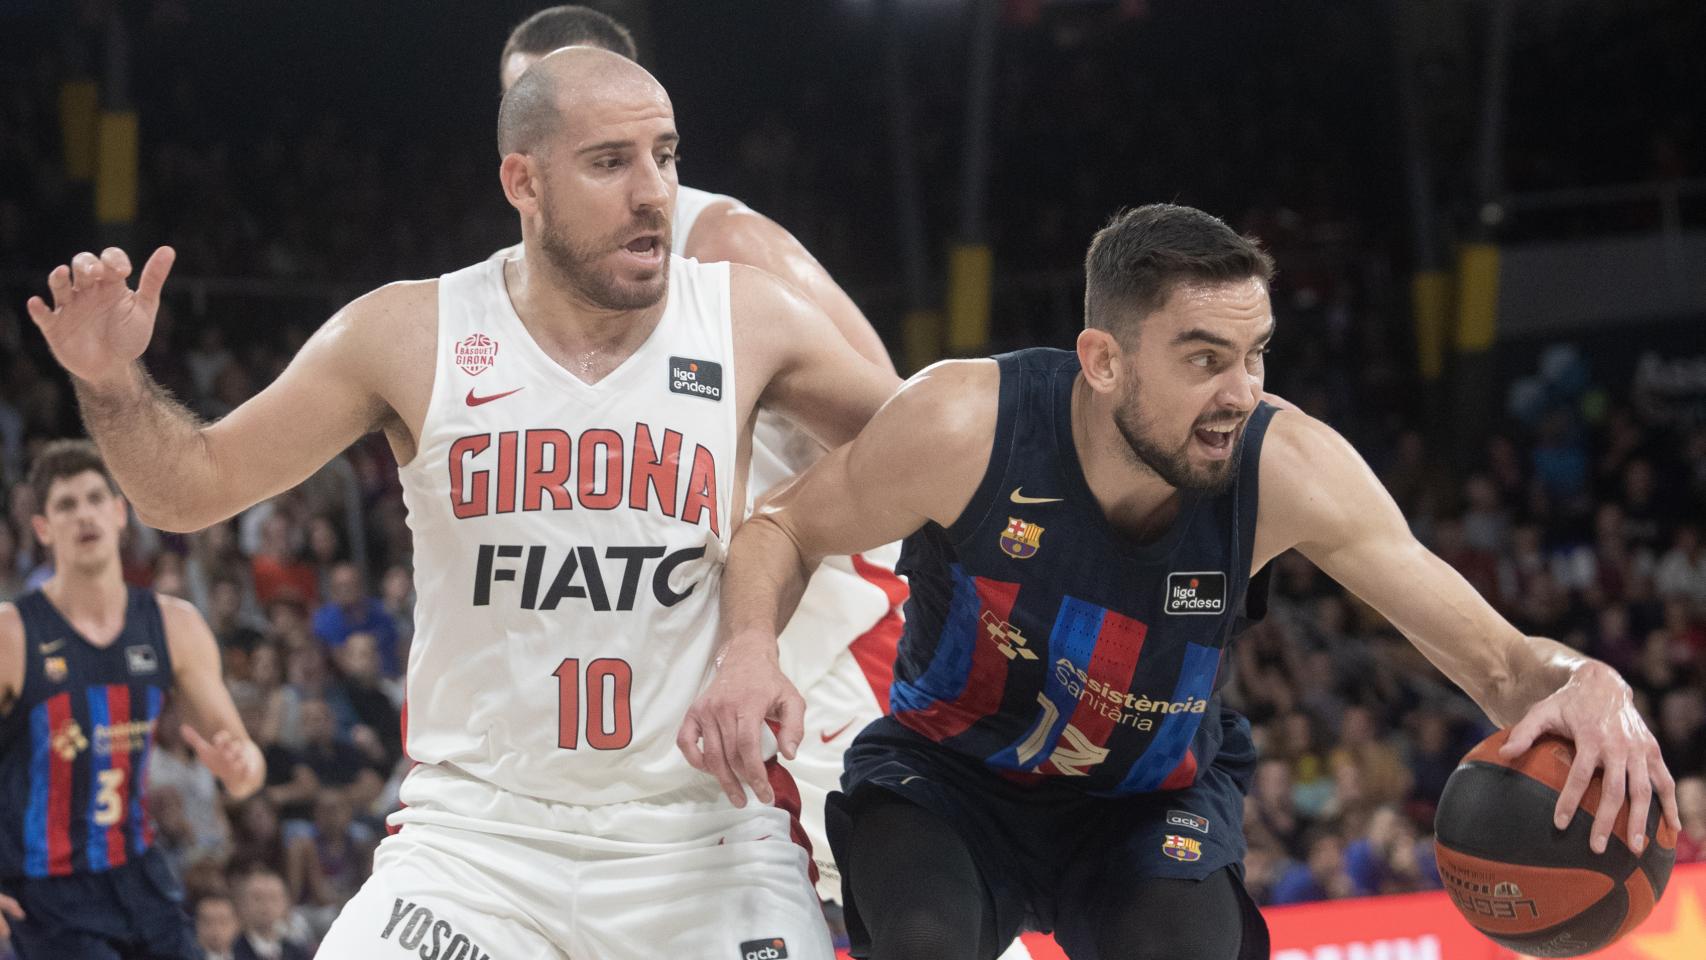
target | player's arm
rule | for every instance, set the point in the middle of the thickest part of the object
(214, 730)
(182, 474)
(1319, 496)
(12, 657)
(920, 459)
(746, 236)
(800, 365)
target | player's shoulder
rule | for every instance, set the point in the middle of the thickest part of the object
(403, 302)
(952, 402)
(1310, 473)
(11, 623)
(385, 323)
(731, 231)
(179, 615)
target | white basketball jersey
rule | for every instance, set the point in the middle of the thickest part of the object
(841, 602)
(569, 541)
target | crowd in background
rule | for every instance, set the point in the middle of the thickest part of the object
(1579, 520)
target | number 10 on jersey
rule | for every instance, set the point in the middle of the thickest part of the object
(608, 682)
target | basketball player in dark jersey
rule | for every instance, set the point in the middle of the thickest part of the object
(1082, 530)
(85, 664)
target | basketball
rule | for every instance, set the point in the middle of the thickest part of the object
(1529, 886)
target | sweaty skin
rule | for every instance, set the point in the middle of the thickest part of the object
(1200, 356)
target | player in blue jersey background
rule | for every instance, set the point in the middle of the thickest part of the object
(1083, 528)
(86, 663)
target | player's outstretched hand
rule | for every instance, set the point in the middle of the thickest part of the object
(97, 325)
(9, 910)
(1595, 709)
(723, 733)
(236, 762)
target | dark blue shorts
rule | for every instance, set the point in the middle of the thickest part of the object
(132, 912)
(1048, 853)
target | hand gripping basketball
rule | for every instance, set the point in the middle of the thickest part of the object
(1595, 710)
(97, 325)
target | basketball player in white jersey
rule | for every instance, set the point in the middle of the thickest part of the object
(839, 648)
(574, 427)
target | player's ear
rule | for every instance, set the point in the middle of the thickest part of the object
(520, 185)
(1100, 356)
(38, 523)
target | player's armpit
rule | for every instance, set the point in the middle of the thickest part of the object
(807, 371)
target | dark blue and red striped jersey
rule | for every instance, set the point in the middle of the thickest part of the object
(74, 750)
(1042, 641)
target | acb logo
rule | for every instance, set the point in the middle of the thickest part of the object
(774, 948)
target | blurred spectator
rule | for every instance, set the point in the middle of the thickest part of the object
(327, 859)
(263, 909)
(175, 776)
(216, 926)
(1681, 572)
(276, 571)
(1382, 775)
(1691, 804)
(326, 763)
(1321, 876)
(373, 699)
(349, 608)
(1390, 857)
(11, 574)
(255, 833)
(1271, 799)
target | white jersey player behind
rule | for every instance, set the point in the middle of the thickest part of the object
(840, 646)
(575, 429)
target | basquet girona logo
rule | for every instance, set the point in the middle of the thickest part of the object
(475, 353)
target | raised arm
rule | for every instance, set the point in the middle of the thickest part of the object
(214, 730)
(182, 474)
(919, 460)
(1319, 496)
(747, 236)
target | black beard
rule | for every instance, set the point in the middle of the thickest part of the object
(575, 263)
(1173, 466)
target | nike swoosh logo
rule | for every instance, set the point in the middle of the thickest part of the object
(47, 648)
(831, 736)
(474, 401)
(1018, 497)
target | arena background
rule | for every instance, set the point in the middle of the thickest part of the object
(1490, 223)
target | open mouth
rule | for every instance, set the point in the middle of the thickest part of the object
(648, 247)
(1217, 439)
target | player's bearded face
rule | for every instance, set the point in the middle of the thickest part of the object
(1167, 451)
(593, 263)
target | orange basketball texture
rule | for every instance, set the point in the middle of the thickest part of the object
(1523, 882)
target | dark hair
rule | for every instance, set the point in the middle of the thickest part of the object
(62, 460)
(567, 26)
(1137, 260)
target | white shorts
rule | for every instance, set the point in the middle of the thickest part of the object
(477, 873)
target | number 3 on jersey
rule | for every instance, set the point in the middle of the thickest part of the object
(607, 682)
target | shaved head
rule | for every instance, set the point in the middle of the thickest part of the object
(563, 83)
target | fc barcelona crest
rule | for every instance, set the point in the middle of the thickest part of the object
(1185, 849)
(475, 353)
(55, 669)
(1021, 539)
